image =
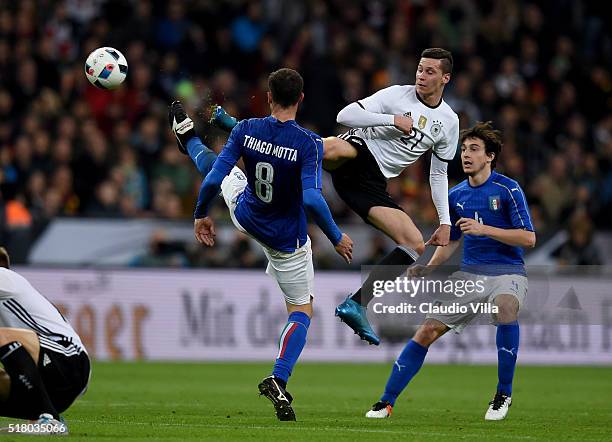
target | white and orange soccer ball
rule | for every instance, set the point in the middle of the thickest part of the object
(106, 68)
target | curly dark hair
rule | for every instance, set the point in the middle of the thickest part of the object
(485, 132)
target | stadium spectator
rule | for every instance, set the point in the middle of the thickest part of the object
(579, 249)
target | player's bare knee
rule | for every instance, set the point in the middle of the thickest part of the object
(336, 149)
(507, 309)
(415, 242)
(429, 332)
(419, 248)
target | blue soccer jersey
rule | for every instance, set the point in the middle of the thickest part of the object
(281, 160)
(498, 202)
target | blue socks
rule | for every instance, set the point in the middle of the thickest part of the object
(202, 156)
(411, 359)
(507, 341)
(407, 365)
(290, 345)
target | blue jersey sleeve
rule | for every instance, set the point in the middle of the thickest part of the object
(316, 205)
(518, 209)
(455, 232)
(312, 160)
(223, 165)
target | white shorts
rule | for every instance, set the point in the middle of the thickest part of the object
(294, 271)
(514, 285)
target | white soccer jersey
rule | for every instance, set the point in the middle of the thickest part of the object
(22, 306)
(435, 128)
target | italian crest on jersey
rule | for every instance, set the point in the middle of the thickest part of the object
(436, 128)
(494, 203)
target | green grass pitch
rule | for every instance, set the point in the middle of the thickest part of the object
(172, 401)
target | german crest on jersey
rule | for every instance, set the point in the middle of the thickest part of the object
(494, 203)
(436, 128)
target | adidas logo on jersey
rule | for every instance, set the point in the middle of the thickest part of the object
(46, 360)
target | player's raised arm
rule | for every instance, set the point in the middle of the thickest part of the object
(370, 112)
(315, 203)
(204, 228)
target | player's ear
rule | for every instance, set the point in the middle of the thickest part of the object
(301, 98)
(446, 78)
(269, 94)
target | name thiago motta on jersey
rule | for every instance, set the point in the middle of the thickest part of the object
(284, 153)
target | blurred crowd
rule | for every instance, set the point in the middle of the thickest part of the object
(539, 70)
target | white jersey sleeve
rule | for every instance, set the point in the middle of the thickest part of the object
(379, 101)
(355, 115)
(371, 111)
(438, 182)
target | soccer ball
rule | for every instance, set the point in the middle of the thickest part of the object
(106, 68)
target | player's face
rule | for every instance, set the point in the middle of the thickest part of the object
(474, 157)
(429, 77)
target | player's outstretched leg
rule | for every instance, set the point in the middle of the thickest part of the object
(353, 310)
(187, 140)
(398, 226)
(221, 119)
(290, 346)
(507, 341)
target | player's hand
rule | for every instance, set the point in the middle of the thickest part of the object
(440, 237)
(403, 123)
(470, 226)
(345, 248)
(204, 229)
(419, 270)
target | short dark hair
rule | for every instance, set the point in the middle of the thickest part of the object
(5, 260)
(445, 57)
(286, 86)
(490, 137)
